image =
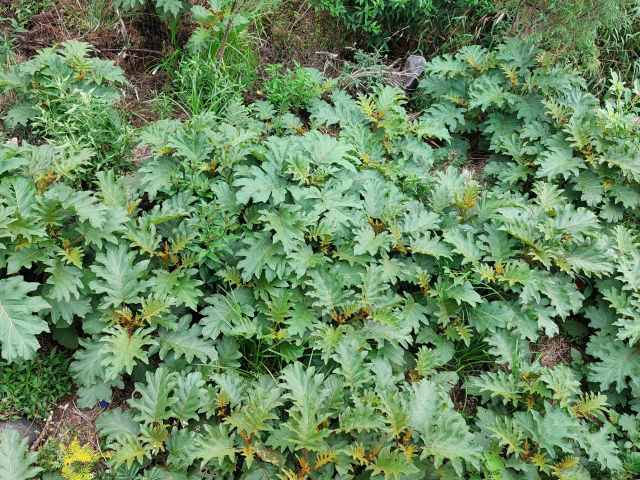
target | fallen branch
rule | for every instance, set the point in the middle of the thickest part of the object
(128, 50)
(38, 441)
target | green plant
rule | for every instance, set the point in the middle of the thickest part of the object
(72, 229)
(99, 14)
(565, 135)
(8, 37)
(295, 88)
(374, 17)
(6, 51)
(222, 20)
(214, 26)
(221, 65)
(335, 260)
(51, 452)
(88, 17)
(31, 388)
(69, 99)
(618, 46)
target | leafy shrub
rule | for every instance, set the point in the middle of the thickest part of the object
(31, 388)
(66, 97)
(542, 125)
(587, 32)
(289, 301)
(292, 88)
(221, 21)
(347, 245)
(384, 21)
(26, 9)
(164, 8)
(375, 16)
(568, 28)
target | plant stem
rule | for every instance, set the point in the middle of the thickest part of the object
(223, 45)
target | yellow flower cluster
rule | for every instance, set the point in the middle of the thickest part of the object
(78, 461)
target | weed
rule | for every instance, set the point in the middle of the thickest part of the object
(49, 453)
(199, 84)
(30, 388)
(84, 120)
(8, 37)
(619, 45)
(168, 11)
(26, 9)
(367, 71)
(92, 16)
(471, 359)
(383, 24)
(6, 52)
(292, 88)
(568, 29)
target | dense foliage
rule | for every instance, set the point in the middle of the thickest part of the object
(67, 98)
(33, 387)
(295, 88)
(384, 21)
(568, 27)
(295, 300)
(598, 34)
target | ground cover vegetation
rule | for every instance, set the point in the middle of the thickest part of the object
(293, 274)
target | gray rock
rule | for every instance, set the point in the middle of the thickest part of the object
(407, 78)
(26, 428)
(413, 68)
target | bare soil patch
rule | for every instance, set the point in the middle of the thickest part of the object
(552, 351)
(296, 32)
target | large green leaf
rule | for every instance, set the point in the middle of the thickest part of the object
(217, 444)
(450, 439)
(327, 289)
(18, 325)
(117, 424)
(122, 349)
(154, 404)
(120, 279)
(187, 341)
(392, 463)
(188, 392)
(64, 280)
(15, 464)
(253, 416)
